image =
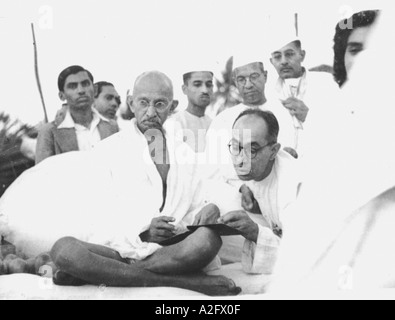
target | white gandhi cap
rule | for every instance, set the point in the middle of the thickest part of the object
(198, 65)
(251, 55)
(280, 37)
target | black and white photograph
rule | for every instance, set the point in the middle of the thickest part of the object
(197, 150)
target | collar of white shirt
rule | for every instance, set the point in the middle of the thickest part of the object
(68, 122)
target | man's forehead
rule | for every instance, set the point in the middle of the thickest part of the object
(250, 129)
(359, 35)
(202, 76)
(78, 77)
(249, 68)
(109, 90)
(290, 46)
(153, 85)
(153, 92)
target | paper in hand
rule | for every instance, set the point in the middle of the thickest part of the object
(222, 229)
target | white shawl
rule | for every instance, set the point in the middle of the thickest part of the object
(108, 196)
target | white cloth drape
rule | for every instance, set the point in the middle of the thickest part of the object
(107, 196)
(341, 234)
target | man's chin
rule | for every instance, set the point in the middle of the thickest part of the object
(150, 126)
(203, 103)
(110, 116)
(245, 177)
(288, 75)
(252, 100)
(84, 105)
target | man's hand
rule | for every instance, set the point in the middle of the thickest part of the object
(297, 108)
(248, 200)
(209, 215)
(160, 230)
(240, 221)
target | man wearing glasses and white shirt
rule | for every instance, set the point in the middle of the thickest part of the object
(305, 95)
(261, 182)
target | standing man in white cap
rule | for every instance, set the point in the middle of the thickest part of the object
(298, 90)
(199, 88)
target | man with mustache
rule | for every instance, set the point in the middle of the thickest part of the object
(353, 243)
(81, 127)
(199, 88)
(301, 92)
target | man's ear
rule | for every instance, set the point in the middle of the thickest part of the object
(303, 54)
(266, 76)
(130, 104)
(276, 149)
(62, 96)
(184, 89)
(174, 106)
(96, 90)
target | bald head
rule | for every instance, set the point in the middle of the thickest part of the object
(154, 81)
(153, 99)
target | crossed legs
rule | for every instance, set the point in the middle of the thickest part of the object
(178, 266)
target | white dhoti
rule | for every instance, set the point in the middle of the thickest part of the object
(107, 197)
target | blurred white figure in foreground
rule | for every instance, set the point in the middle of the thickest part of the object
(342, 235)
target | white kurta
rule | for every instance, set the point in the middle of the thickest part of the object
(194, 129)
(108, 196)
(274, 194)
(319, 92)
(343, 236)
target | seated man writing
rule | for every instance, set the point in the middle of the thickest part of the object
(262, 182)
(136, 176)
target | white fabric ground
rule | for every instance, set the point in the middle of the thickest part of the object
(33, 287)
(29, 287)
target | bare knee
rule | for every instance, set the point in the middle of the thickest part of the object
(63, 251)
(210, 214)
(209, 244)
(202, 249)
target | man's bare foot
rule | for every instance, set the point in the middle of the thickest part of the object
(63, 279)
(215, 286)
(43, 264)
(15, 266)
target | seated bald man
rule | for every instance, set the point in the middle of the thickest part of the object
(134, 194)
